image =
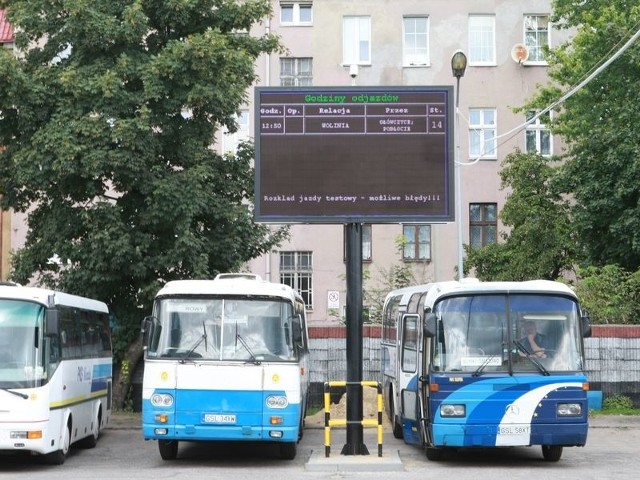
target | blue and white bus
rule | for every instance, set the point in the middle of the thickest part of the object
(55, 371)
(486, 364)
(226, 359)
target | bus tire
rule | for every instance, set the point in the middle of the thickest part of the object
(92, 440)
(434, 454)
(551, 453)
(59, 456)
(288, 450)
(397, 429)
(168, 449)
(397, 426)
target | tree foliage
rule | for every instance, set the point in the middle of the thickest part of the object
(108, 115)
(539, 243)
(610, 294)
(599, 123)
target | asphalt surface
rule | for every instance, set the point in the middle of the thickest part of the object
(392, 449)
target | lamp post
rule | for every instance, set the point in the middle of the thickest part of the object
(458, 66)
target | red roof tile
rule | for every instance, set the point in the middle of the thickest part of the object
(6, 30)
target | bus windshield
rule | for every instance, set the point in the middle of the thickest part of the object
(21, 345)
(507, 333)
(244, 329)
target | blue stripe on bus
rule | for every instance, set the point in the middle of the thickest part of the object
(100, 376)
(252, 417)
(507, 404)
(524, 404)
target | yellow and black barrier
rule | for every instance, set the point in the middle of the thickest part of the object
(328, 422)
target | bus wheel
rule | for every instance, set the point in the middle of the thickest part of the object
(397, 427)
(288, 450)
(435, 454)
(168, 449)
(92, 440)
(552, 453)
(59, 456)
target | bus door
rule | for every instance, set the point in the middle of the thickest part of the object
(408, 378)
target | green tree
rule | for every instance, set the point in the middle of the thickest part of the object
(610, 294)
(107, 117)
(396, 276)
(539, 243)
(599, 123)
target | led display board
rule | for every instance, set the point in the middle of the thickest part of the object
(354, 154)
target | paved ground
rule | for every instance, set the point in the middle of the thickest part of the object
(394, 451)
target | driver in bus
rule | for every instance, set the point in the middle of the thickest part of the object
(535, 343)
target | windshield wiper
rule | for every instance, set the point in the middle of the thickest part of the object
(531, 357)
(202, 338)
(254, 360)
(17, 394)
(481, 368)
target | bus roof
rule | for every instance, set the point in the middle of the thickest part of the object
(50, 298)
(474, 286)
(230, 285)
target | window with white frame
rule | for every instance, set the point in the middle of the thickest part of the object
(537, 135)
(356, 40)
(536, 37)
(230, 141)
(296, 13)
(483, 224)
(417, 242)
(366, 243)
(296, 270)
(482, 40)
(482, 133)
(296, 72)
(415, 51)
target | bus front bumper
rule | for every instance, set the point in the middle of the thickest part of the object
(276, 433)
(478, 435)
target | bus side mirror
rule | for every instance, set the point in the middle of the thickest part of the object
(53, 322)
(145, 329)
(585, 324)
(296, 325)
(430, 325)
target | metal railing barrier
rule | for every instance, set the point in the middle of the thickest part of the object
(328, 422)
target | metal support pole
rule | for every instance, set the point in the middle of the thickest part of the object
(458, 168)
(355, 438)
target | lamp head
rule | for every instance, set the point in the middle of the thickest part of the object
(458, 63)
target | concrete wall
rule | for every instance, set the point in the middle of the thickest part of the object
(612, 359)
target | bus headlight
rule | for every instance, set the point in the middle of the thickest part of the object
(161, 400)
(453, 410)
(277, 401)
(569, 409)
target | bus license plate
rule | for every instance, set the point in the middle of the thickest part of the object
(514, 430)
(218, 418)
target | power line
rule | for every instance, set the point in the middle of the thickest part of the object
(562, 99)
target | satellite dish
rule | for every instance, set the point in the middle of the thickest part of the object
(519, 53)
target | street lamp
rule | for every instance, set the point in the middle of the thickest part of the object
(458, 66)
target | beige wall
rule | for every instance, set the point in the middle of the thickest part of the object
(503, 87)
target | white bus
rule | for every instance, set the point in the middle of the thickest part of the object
(226, 359)
(486, 364)
(55, 371)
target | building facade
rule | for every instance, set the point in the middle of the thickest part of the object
(411, 43)
(7, 226)
(396, 43)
